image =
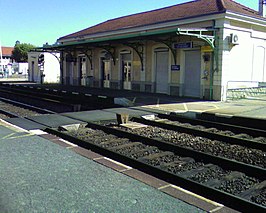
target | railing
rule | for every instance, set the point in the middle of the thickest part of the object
(245, 90)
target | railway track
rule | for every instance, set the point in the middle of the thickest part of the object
(75, 101)
(38, 101)
(233, 183)
(14, 109)
(216, 126)
(232, 147)
(225, 163)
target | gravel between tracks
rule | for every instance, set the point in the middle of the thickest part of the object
(20, 111)
(214, 147)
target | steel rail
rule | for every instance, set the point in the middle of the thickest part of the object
(9, 114)
(70, 98)
(27, 106)
(37, 98)
(34, 94)
(205, 134)
(212, 124)
(235, 120)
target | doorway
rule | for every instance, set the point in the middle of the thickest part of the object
(192, 73)
(126, 71)
(105, 72)
(82, 71)
(161, 70)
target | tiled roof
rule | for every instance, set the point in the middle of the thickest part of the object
(7, 51)
(175, 12)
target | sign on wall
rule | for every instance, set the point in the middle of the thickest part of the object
(175, 67)
(183, 45)
(205, 49)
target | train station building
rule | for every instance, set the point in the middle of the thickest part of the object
(197, 49)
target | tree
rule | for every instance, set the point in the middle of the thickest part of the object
(20, 52)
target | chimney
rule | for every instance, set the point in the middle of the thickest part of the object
(262, 8)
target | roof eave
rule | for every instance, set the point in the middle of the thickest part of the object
(246, 18)
(156, 26)
(101, 40)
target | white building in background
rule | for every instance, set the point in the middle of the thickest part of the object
(6, 61)
(48, 71)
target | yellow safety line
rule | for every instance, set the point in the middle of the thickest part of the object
(197, 196)
(9, 135)
(216, 106)
(15, 137)
(185, 106)
(214, 109)
(158, 101)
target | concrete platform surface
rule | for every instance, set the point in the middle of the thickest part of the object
(25, 123)
(53, 120)
(243, 108)
(40, 176)
(89, 116)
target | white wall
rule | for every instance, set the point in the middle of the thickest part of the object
(23, 68)
(51, 68)
(243, 64)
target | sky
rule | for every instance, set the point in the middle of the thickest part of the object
(39, 21)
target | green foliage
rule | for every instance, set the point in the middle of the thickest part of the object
(20, 52)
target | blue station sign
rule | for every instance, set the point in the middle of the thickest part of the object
(183, 45)
(175, 67)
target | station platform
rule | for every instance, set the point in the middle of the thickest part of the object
(43, 173)
(250, 107)
(240, 108)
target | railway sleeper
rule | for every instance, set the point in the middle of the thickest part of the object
(113, 143)
(202, 169)
(157, 159)
(126, 146)
(254, 191)
(144, 152)
(177, 163)
(234, 183)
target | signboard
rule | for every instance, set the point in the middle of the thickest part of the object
(205, 49)
(136, 63)
(175, 67)
(183, 45)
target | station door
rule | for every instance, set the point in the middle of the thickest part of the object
(69, 73)
(105, 70)
(126, 71)
(192, 73)
(82, 71)
(32, 71)
(161, 69)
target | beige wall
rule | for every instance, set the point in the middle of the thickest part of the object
(147, 76)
